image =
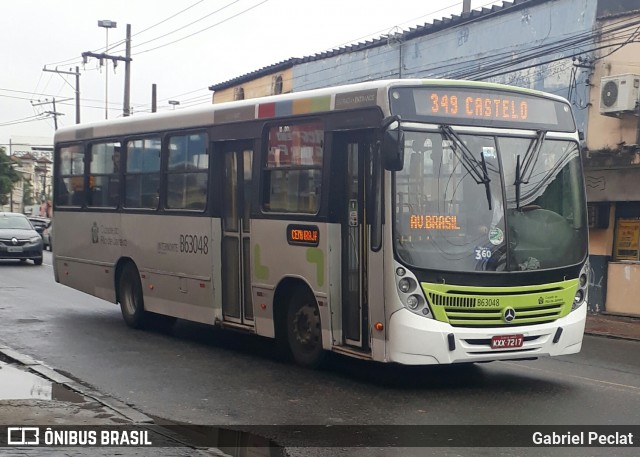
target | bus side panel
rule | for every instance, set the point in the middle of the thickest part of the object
(376, 300)
(274, 259)
(174, 255)
(86, 251)
(334, 253)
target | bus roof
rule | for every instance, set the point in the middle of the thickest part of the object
(358, 95)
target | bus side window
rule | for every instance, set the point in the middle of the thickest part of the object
(142, 173)
(69, 189)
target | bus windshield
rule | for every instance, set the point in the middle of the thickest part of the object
(504, 204)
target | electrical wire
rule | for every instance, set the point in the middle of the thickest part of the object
(24, 120)
(203, 30)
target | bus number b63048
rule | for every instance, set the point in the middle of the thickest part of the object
(194, 244)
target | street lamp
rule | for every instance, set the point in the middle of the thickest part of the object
(174, 103)
(107, 24)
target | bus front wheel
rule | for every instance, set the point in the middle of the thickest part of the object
(131, 299)
(304, 332)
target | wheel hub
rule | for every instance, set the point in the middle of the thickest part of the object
(306, 325)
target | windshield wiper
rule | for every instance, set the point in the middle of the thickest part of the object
(524, 170)
(477, 170)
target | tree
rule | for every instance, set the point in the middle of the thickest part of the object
(8, 177)
(27, 194)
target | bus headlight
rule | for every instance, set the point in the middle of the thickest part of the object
(583, 283)
(410, 293)
(405, 285)
(583, 280)
(413, 302)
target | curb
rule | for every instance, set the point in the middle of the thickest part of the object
(52, 375)
(610, 335)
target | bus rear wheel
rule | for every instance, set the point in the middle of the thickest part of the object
(304, 332)
(131, 299)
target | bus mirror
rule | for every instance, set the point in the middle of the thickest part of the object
(392, 144)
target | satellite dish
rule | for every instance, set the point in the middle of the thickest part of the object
(610, 93)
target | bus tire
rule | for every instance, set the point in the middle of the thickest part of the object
(304, 331)
(131, 298)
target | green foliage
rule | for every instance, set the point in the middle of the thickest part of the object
(8, 177)
(27, 195)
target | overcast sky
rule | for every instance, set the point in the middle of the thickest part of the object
(181, 46)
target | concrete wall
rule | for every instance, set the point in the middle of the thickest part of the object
(624, 288)
(600, 249)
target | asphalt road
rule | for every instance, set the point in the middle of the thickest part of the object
(201, 375)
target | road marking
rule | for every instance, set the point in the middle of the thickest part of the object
(581, 378)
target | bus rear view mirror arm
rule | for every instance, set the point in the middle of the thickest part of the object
(392, 143)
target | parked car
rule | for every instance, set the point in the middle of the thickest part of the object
(39, 223)
(47, 237)
(19, 239)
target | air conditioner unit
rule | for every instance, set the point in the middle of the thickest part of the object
(619, 94)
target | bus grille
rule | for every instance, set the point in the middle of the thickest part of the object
(464, 311)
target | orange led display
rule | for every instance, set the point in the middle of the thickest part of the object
(483, 107)
(417, 222)
(308, 235)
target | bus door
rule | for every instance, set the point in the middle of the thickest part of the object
(237, 159)
(354, 150)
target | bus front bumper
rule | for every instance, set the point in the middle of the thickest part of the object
(416, 340)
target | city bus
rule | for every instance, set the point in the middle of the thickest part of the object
(409, 221)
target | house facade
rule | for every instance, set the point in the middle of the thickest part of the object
(33, 159)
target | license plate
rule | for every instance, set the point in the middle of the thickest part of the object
(14, 249)
(507, 341)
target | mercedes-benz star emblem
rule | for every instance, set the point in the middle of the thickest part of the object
(14, 241)
(509, 314)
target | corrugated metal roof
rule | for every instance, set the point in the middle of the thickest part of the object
(414, 32)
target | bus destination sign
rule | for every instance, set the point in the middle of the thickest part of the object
(303, 235)
(486, 107)
(499, 106)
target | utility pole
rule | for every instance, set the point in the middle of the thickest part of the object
(77, 75)
(54, 113)
(10, 193)
(127, 74)
(103, 56)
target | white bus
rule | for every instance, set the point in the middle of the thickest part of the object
(408, 221)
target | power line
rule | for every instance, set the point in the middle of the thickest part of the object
(187, 25)
(205, 29)
(24, 120)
